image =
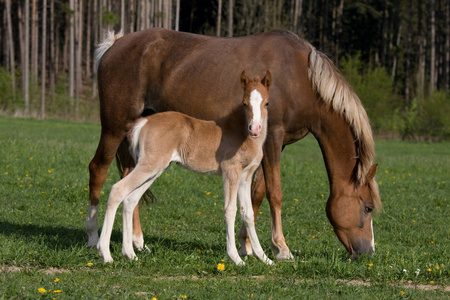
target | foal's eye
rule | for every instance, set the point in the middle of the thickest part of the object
(243, 103)
(368, 210)
(267, 103)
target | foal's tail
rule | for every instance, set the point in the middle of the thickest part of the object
(128, 153)
(105, 45)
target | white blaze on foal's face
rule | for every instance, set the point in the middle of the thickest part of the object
(255, 122)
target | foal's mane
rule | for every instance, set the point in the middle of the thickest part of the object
(334, 90)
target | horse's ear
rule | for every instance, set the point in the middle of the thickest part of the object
(244, 80)
(372, 171)
(267, 80)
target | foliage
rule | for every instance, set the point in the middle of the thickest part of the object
(374, 88)
(426, 119)
(43, 253)
(6, 95)
(419, 119)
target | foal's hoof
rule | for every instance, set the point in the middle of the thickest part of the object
(240, 263)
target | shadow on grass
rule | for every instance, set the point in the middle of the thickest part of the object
(67, 238)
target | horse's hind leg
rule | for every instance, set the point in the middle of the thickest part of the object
(98, 169)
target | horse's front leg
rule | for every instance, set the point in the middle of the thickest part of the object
(230, 185)
(271, 166)
(258, 191)
(247, 216)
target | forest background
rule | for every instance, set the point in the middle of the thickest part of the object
(395, 53)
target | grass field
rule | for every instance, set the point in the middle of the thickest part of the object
(44, 193)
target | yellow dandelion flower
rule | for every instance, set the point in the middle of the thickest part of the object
(432, 282)
(90, 264)
(369, 265)
(183, 296)
(57, 291)
(56, 280)
(429, 270)
(220, 267)
(402, 292)
(199, 212)
(154, 298)
(42, 290)
(199, 251)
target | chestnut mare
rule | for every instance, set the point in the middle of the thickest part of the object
(231, 147)
(160, 70)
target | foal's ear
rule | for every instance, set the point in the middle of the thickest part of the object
(267, 80)
(244, 80)
(372, 172)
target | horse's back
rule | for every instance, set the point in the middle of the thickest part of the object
(162, 70)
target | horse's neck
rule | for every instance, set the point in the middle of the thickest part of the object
(338, 148)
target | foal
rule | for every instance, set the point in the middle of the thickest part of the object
(231, 147)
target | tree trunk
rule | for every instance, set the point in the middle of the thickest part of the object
(408, 55)
(71, 49)
(131, 15)
(339, 13)
(11, 49)
(93, 66)
(88, 40)
(421, 41)
(447, 47)
(230, 17)
(177, 16)
(26, 63)
(219, 17)
(43, 58)
(34, 42)
(53, 49)
(433, 49)
(297, 15)
(122, 15)
(79, 48)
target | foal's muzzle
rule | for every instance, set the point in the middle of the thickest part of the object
(255, 130)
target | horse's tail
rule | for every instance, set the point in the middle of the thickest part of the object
(334, 89)
(128, 154)
(105, 45)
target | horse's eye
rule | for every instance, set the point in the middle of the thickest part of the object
(368, 210)
(243, 103)
(267, 103)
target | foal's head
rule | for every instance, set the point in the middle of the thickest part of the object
(256, 100)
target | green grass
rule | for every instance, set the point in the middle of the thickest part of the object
(44, 192)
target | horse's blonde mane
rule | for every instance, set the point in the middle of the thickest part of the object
(334, 89)
(105, 45)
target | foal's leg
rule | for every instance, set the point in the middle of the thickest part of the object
(130, 187)
(230, 185)
(130, 203)
(98, 169)
(258, 191)
(127, 165)
(247, 216)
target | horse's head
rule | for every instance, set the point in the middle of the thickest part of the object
(350, 212)
(256, 100)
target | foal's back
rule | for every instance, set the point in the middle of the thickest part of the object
(172, 136)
